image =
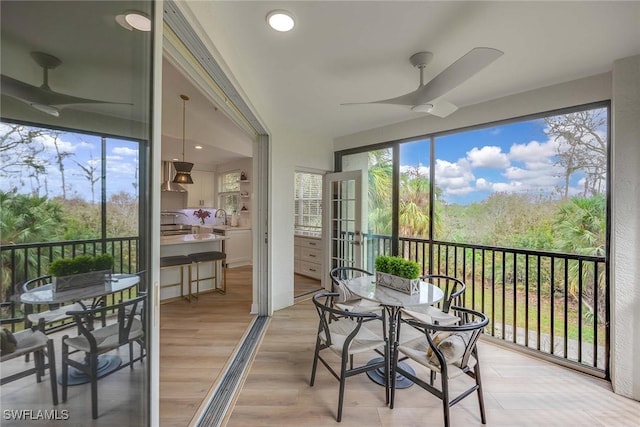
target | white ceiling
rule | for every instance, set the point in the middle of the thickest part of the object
(343, 51)
(205, 125)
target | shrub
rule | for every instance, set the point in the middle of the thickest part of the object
(80, 264)
(398, 266)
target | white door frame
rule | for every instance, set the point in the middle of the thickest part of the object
(331, 220)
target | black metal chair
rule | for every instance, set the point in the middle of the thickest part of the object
(94, 342)
(25, 342)
(346, 300)
(441, 313)
(448, 350)
(54, 314)
(346, 336)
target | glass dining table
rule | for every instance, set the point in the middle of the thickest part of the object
(47, 294)
(393, 301)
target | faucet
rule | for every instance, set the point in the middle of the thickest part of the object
(224, 213)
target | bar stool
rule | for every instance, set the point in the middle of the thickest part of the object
(216, 258)
(181, 261)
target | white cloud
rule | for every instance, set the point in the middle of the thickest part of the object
(488, 157)
(125, 151)
(483, 185)
(533, 151)
(454, 178)
(422, 170)
(50, 144)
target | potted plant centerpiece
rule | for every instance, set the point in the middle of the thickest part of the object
(83, 270)
(398, 273)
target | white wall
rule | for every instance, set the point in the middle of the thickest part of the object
(625, 234)
(289, 149)
(622, 86)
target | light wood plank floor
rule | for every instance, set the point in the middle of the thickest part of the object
(519, 390)
(196, 341)
(304, 286)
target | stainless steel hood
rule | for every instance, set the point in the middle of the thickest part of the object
(167, 175)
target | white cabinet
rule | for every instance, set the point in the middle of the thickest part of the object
(239, 247)
(308, 256)
(200, 193)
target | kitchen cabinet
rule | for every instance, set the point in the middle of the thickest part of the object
(238, 246)
(308, 256)
(200, 193)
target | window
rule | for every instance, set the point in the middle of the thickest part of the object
(229, 191)
(308, 203)
(91, 180)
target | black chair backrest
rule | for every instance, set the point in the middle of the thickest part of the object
(341, 274)
(452, 287)
(471, 326)
(85, 319)
(327, 313)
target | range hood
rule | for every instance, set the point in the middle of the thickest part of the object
(167, 177)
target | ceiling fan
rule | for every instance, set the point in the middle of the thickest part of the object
(427, 97)
(42, 97)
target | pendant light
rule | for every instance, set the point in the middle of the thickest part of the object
(183, 169)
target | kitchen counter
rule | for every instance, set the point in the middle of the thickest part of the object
(186, 244)
(190, 239)
(225, 227)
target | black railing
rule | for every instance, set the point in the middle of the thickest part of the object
(25, 261)
(553, 304)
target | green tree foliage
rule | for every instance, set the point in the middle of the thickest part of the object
(580, 228)
(379, 183)
(28, 218)
(414, 204)
(25, 219)
(503, 219)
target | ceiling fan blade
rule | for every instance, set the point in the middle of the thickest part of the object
(407, 99)
(42, 96)
(457, 73)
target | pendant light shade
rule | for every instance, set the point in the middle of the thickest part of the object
(183, 169)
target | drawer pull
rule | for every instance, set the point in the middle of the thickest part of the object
(312, 256)
(312, 243)
(312, 269)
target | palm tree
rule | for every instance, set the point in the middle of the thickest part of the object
(580, 228)
(379, 194)
(25, 219)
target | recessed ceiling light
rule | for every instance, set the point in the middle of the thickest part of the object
(133, 19)
(198, 147)
(280, 20)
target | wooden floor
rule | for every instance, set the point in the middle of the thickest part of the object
(304, 286)
(197, 340)
(519, 390)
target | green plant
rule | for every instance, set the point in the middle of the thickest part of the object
(80, 264)
(397, 266)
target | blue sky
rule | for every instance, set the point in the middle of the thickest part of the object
(122, 166)
(513, 158)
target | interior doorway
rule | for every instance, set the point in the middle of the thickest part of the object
(308, 256)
